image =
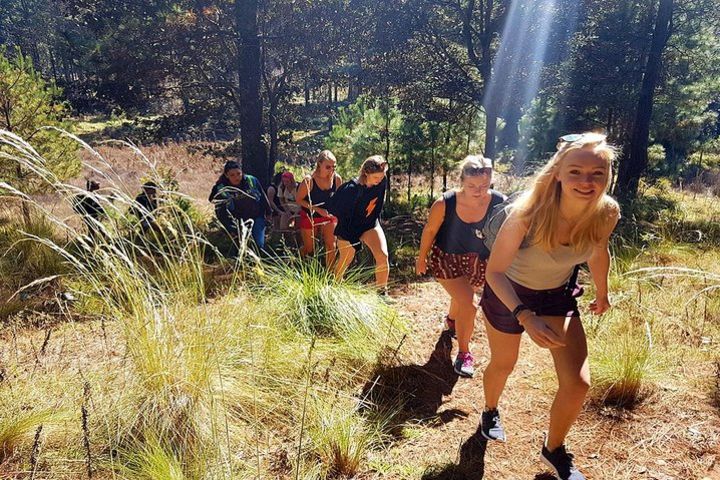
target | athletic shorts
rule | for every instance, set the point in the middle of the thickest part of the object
(556, 302)
(308, 223)
(446, 266)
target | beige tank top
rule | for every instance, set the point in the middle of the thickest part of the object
(537, 269)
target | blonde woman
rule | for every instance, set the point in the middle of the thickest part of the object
(566, 218)
(452, 238)
(357, 206)
(313, 195)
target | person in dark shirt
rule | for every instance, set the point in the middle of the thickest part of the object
(240, 199)
(145, 204)
(357, 205)
(87, 206)
(313, 196)
(452, 248)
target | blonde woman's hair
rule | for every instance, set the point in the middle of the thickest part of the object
(539, 206)
(322, 156)
(374, 164)
(473, 166)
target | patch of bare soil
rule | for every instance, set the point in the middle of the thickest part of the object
(672, 435)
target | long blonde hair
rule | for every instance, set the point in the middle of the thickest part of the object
(539, 206)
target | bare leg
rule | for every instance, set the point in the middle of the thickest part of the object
(346, 253)
(504, 348)
(376, 242)
(461, 292)
(308, 242)
(328, 234)
(573, 371)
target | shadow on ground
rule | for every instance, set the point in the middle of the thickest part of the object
(470, 466)
(415, 392)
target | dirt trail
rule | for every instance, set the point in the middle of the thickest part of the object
(672, 435)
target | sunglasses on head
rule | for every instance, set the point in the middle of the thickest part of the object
(575, 137)
(375, 168)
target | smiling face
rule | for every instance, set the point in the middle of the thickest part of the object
(476, 186)
(234, 176)
(583, 175)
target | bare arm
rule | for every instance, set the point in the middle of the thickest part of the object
(271, 193)
(302, 193)
(434, 222)
(599, 264)
(504, 250)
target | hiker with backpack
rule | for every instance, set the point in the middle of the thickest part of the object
(87, 206)
(240, 199)
(452, 249)
(357, 205)
(145, 205)
(565, 218)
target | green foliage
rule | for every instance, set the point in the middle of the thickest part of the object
(311, 302)
(359, 132)
(28, 103)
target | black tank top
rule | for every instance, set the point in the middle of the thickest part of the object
(318, 197)
(456, 236)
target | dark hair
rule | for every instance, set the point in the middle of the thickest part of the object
(92, 185)
(150, 185)
(231, 165)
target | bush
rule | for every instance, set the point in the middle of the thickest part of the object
(623, 368)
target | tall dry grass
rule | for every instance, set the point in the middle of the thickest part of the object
(208, 383)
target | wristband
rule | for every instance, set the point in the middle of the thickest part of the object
(516, 311)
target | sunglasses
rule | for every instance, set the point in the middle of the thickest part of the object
(376, 168)
(476, 172)
(574, 137)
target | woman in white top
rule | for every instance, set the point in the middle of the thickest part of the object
(566, 218)
(287, 190)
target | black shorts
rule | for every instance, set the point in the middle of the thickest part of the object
(556, 302)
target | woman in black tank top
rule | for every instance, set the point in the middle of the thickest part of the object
(313, 196)
(453, 249)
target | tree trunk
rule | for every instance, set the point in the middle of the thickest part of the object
(409, 180)
(386, 132)
(490, 129)
(432, 174)
(306, 90)
(273, 131)
(634, 164)
(509, 137)
(254, 157)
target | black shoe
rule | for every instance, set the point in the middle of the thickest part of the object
(491, 427)
(561, 461)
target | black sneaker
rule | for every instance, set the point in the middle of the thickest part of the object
(561, 462)
(491, 427)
